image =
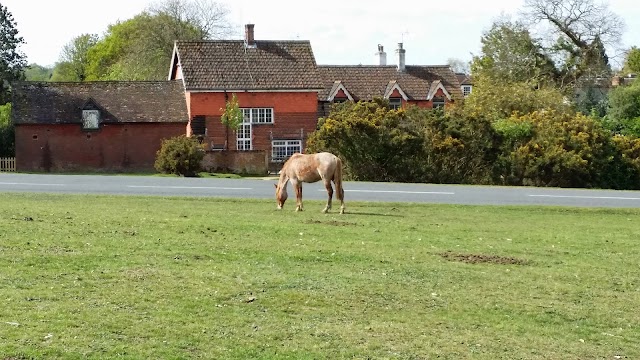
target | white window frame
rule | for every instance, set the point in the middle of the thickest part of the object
(244, 134)
(258, 115)
(281, 150)
(466, 90)
(438, 102)
(90, 119)
(395, 103)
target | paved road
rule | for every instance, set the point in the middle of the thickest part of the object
(355, 191)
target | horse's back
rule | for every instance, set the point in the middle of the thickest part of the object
(312, 167)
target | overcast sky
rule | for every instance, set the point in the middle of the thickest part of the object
(343, 32)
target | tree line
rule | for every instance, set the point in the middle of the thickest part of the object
(139, 48)
(543, 112)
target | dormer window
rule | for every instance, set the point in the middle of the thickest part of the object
(395, 103)
(438, 102)
(90, 119)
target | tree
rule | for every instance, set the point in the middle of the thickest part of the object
(74, 59)
(580, 29)
(231, 117)
(632, 61)
(140, 48)
(459, 66)
(624, 110)
(209, 18)
(7, 138)
(510, 54)
(35, 72)
(12, 60)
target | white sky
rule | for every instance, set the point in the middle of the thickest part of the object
(343, 32)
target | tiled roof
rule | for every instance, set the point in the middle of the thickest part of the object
(120, 101)
(230, 65)
(464, 79)
(364, 82)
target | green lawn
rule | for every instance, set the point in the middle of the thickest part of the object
(99, 277)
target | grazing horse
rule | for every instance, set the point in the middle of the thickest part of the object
(310, 168)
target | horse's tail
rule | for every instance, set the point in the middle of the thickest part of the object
(337, 179)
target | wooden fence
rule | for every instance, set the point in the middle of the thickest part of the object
(8, 164)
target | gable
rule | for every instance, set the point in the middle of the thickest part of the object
(394, 91)
(438, 89)
(369, 82)
(339, 91)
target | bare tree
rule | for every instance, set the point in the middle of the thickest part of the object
(580, 21)
(209, 17)
(459, 66)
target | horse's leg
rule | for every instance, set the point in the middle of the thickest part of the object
(327, 185)
(340, 194)
(298, 187)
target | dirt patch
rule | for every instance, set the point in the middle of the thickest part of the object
(331, 222)
(483, 259)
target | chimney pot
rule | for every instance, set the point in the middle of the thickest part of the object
(248, 35)
(381, 56)
(400, 55)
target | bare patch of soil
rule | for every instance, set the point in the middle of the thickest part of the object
(483, 259)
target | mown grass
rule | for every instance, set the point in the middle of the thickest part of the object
(99, 277)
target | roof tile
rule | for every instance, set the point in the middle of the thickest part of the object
(230, 65)
(121, 101)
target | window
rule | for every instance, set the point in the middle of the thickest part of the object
(438, 102)
(339, 100)
(90, 119)
(198, 125)
(258, 115)
(466, 90)
(244, 136)
(395, 103)
(281, 150)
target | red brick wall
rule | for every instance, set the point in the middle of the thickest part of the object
(115, 147)
(241, 162)
(293, 111)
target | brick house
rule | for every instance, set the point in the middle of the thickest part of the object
(466, 83)
(110, 126)
(281, 91)
(401, 84)
(276, 84)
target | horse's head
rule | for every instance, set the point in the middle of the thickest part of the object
(281, 195)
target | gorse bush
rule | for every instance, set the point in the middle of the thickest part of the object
(541, 148)
(375, 142)
(180, 155)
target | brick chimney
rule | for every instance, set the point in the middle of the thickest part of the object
(381, 56)
(400, 56)
(248, 35)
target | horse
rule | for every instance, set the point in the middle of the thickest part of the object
(311, 168)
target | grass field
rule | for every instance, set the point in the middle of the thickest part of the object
(100, 277)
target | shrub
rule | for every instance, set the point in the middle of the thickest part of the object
(180, 155)
(7, 132)
(565, 150)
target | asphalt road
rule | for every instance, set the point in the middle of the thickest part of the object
(354, 191)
